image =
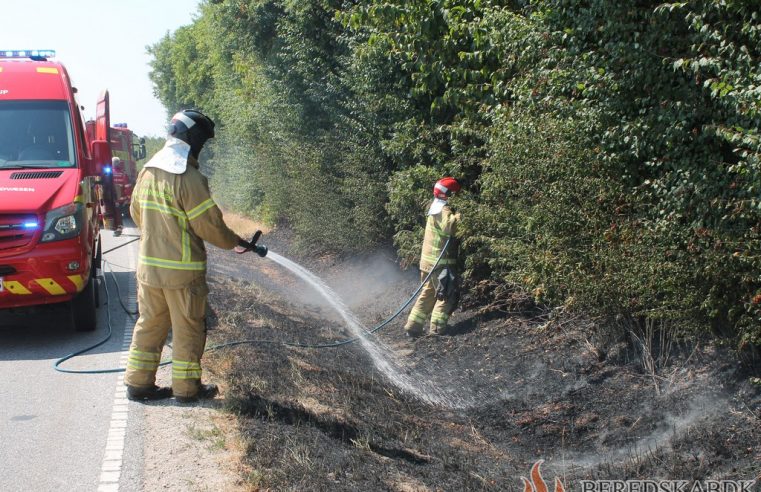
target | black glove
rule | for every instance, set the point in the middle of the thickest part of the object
(243, 246)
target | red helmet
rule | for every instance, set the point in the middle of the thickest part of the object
(445, 187)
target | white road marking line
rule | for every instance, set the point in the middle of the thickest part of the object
(111, 467)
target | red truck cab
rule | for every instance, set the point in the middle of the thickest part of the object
(49, 174)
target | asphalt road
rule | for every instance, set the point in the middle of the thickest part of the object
(66, 431)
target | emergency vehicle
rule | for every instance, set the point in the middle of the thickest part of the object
(128, 148)
(49, 192)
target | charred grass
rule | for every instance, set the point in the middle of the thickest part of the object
(578, 395)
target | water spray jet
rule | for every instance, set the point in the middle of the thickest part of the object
(380, 355)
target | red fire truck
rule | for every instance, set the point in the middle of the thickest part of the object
(49, 187)
(128, 148)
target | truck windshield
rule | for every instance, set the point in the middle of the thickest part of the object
(36, 134)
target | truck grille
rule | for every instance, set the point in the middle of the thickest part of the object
(37, 175)
(14, 230)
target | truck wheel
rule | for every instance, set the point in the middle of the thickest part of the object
(83, 311)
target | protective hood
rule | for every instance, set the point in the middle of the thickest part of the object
(436, 206)
(173, 158)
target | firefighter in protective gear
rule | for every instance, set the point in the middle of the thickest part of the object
(172, 206)
(116, 168)
(437, 300)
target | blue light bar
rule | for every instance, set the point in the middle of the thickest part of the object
(30, 225)
(35, 54)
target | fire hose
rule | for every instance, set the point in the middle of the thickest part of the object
(335, 344)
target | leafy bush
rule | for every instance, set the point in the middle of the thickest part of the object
(610, 150)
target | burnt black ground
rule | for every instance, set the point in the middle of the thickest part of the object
(538, 386)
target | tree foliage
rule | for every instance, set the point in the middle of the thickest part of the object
(609, 149)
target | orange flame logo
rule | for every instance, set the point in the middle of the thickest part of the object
(537, 483)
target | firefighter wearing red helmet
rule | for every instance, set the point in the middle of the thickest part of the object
(438, 298)
(173, 208)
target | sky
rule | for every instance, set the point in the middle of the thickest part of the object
(102, 43)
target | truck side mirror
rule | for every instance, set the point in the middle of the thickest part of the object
(101, 155)
(139, 152)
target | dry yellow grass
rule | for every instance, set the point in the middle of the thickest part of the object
(243, 226)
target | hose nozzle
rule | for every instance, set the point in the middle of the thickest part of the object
(260, 249)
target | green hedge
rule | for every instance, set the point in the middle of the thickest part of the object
(610, 149)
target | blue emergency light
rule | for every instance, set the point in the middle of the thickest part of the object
(30, 225)
(106, 169)
(33, 54)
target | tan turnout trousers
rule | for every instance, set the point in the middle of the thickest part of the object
(184, 311)
(427, 304)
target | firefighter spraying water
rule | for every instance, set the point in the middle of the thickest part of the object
(175, 213)
(440, 293)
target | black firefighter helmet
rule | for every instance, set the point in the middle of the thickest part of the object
(192, 127)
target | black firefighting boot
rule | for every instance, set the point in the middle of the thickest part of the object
(138, 393)
(205, 392)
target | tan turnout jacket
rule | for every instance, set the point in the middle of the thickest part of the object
(176, 214)
(438, 229)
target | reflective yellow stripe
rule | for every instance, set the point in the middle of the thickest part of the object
(15, 287)
(161, 207)
(172, 264)
(51, 286)
(417, 315)
(183, 363)
(139, 354)
(443, 261)
(200, 209)
(142, 366)
(79, 199)
(182, 218)
(47, 70)
(77, 281)
(185, 240)
(143, 361)
(186, 370)
(187, 375)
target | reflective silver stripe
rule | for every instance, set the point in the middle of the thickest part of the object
(188, 121)
(441, 188)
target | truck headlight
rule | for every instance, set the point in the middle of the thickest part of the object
(64, 222)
